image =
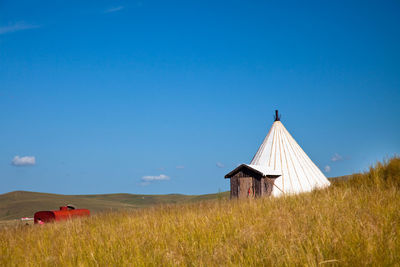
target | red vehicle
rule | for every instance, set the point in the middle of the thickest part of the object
(65, 213)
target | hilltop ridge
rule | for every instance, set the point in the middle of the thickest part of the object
(17, 204)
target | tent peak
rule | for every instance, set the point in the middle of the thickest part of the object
(277, 116)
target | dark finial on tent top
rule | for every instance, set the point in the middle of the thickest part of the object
(277, 116)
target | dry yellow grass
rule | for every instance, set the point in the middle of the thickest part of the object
(354, 222)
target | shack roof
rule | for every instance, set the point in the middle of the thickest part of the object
(262, 170)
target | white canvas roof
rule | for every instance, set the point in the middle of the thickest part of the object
(279, 151)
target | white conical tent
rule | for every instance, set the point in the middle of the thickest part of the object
(281, 152)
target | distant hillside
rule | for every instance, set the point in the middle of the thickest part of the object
(17, 204)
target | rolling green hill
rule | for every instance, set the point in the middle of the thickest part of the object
(17, 204)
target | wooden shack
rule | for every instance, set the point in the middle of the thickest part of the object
(250, 181)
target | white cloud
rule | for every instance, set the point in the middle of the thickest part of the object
(150, 178)
(327, 168)
(220, 165)
(23, 161)
(180, 167)
(336, 157)
(114, 9)
(18, 26)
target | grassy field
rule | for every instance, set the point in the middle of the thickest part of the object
(354, 222)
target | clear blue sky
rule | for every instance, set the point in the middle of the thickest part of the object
(103, 93)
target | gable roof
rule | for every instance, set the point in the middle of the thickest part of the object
(262, 170)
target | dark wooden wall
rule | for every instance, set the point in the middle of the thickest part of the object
(234, 187)
(245, 183)
(267, 186)
(245, 179)
(242, 181)
(257, 186)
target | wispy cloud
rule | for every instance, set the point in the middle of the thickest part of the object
(113, 9)
(18, 26)
(180, 167)
(336, 157)
(327, 168)
(150, 178)
(23, 161)
(220, 165)
(146, 180)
